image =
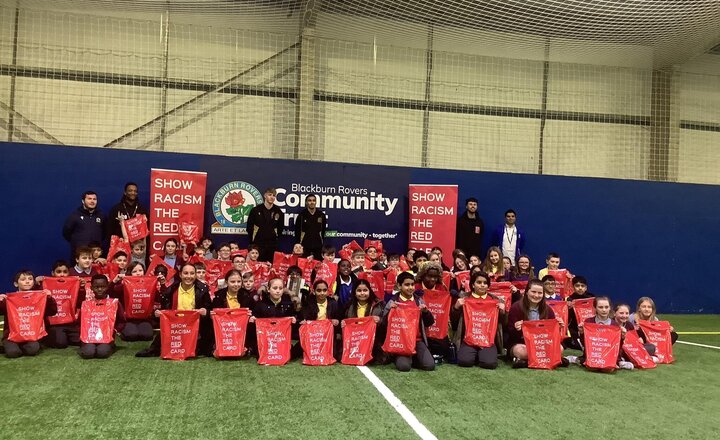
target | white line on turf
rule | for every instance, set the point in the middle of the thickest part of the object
(698, 345)
(409, 417)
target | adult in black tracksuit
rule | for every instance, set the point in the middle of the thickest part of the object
(264, 225)
(468, 235)
(85, 225)
(128, 207)
(310, 227)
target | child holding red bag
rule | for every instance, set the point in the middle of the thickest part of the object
(580, 291)
(364, 303)
(603, 316)
(469, 356)
(24, 281)
(100, 287)
(323, 307)
(622, 317)
(646, 312)
(531, 307)
(422, 358)
(140, 329)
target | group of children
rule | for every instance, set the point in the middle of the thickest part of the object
(182, 282)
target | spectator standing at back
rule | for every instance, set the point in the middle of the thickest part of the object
(128, 207)
(264, 225)
(310, 227)
(468, 235)
(85, 225)
(509, 237)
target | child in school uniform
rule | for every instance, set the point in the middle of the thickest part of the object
(580, 291)
(646, 311)
(364, 303)
(100, 288)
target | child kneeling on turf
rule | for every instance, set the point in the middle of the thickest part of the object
(422, 358)
(100, 287)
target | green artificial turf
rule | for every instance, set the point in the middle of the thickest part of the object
(57, 395)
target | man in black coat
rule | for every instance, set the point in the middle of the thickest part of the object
(310, 227)
(468, 235)
(128, 207)
(264, 225)
(85, 225)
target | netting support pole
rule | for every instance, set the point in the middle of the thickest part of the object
(664, 127)
(305, 122)
(165, 36)
(11, 115)
(543, 105)
(428, 95)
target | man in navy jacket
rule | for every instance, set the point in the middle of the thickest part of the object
(84, 225)
(509, 238)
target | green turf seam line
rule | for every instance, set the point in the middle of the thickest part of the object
(698, 333)
(392, 399)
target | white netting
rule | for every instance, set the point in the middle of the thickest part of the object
(615, 88)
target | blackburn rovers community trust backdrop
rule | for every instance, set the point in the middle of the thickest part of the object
(630, 238)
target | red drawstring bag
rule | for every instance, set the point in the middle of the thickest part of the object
(561, 309)
(358, 340)
(136, 228)
(156, 261)
(377, 244)
(635, 351)
(25, 315)
(563, 284)
(65, 291)
(281, 263)
(230, 327)
(446, 278)
(273, 340)
(368, 265)
(502, 289)
(179, 333)
(188, 232)
(307, 268)
(480, 317)
(438, 302)
(327, 272)
(261, 274)
(463, 280)
(402, 330)
(602, 345)
(658, 333)
(404, 266)
(117, 244)
(390, 280)
(376, 279)
(111, 270)
(583, 309)
(139, 296)
(520, 285)
(97, 321)
(316, 340)
(542, 339)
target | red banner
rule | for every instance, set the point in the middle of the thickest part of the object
(602, 345)
(139, 296)
(65, 291)
(433, 218)
(317, 339)
(358, 338)
(658, 333)
(481, 320)
(230, 327)
(97, 321)
(26, 311)
(542, 339)
(438, 302)
(179, 334)
(175, 196)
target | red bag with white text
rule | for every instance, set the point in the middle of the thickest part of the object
(658, 333)
(563, 284)
(377, 244)
(281, 263)
(218, 268)
(25, 315)
(307, 268)
(480, 317)
(316, 340)
(156, 261)
(583, 309)
(273, 340)
(438, 302)
(463, 280)
(347, 250)
(230, 331)
(111, 270)
(117, 244)
(327, 272)
(188, 232)
(139, 296)
(376, 279)
(179, 331)
(635, 350)
(402, 330)
(602, 345)
(502, 289)
(136, 228)
(560, 308)
(65, 291)
(358, 339)
(543, 342)
(97, 321)
(261, 273)
(390, 279)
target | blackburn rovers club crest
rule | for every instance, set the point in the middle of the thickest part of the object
(231, 206)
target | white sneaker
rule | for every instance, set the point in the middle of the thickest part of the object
(572, 359)
(655, 359)
(624, 365)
